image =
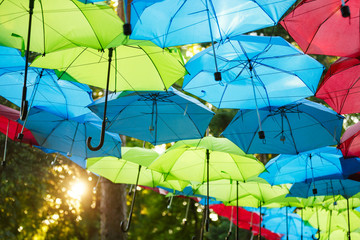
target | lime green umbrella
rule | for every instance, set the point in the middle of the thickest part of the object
(126, 67)
(131, 169)
(207, 159)
(253, 193)
(46, 26)
(340, 234)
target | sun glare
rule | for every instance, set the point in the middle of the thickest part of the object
(77, 190)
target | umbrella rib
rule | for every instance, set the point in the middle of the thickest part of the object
(60, 122)
(348, 93)
(87, 20)
(291, 134)
(165, 88)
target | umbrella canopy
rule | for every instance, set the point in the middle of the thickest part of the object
(11, 128)
(57, 24)
(187, 160)
(339, 86)
(290, 129)
(317, 164)
(326, 187)
(133, 67)
(69, 135)
(252, 193)
(267, 71)
(10, 60)
(125, 170)
(63, 98)
(341, 234)
(180, 22)
(319, 27)
(350, 141)
(156, 117)
(292, 228)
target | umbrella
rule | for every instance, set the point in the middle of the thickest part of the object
(156, 117)
(349, 143)
(69, 135)
(46, 26)
(11, 128)
(245, 219)
(182, 22)
(253, 193)
(290, 129)
(291, 228)
(207, 159)
(317, 164)
(339, 86)
(267, 71)
(326, 187)
(63, 98)
(130, 67)
(132, 169)
(10, 60)
(325, 27)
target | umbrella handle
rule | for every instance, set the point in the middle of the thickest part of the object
(102, 137)
(228, 235)
(122, 223)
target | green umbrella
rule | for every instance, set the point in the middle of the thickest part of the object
(340, 234)
(207, 159)
(126, 67)
(131, 169)
(253, 193)
(47, 26)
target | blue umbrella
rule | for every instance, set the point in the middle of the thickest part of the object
(10, 60)
(156, 117)
(68, 135)
(290, 225)
(325, 187)
(256, 72)
(178, 22)
(63, 98)
(290, 129)
(317, 164)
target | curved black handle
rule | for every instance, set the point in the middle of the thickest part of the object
(102, 137)
(122, 225)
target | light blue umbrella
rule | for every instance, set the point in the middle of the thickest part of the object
(256, 72)
(68, 135)
(63, 98)
(10, 60)
(178, 22)
(317, 164)
(156, 117)
(326, 187)
(290, 225)
(290, 129)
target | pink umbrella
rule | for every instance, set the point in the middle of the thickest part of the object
(350, 141)
(341, 86)
(326, 27)
(11, 128)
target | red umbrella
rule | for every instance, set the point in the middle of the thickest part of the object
(11, 128)
(319, 27)
(350, 141)
(340, 86)
(246, 220)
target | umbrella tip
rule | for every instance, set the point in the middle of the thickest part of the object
(127, 29)
(345, 11)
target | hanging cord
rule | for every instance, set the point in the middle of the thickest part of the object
(317, 219)
(287, 224)
(302, 224)
(3, 163)
(261, 132)
(96, 186)
(348, 215)
(217, 74)
(55, 158)
(329, 224)
(314, 191)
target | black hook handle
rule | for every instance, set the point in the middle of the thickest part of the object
(102, 138)
(122, 223)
